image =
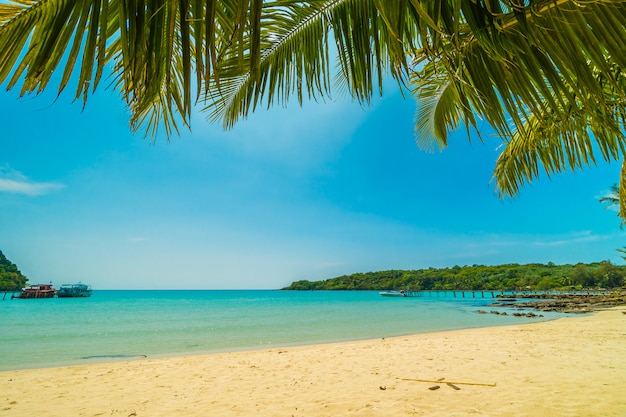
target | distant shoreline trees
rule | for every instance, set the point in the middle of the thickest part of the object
(507, 277)
(11, 279)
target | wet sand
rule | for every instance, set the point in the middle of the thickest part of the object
(574, 366)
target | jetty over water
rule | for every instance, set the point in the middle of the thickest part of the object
(499, 293)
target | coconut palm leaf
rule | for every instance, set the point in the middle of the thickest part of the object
(611, 199)
(567, 137)
(232, 93)
(444, 104)
(555, 92)
(617, 195)
(369, 39)
(548, 75)
(151, 48)
(520, 73)
(247, 50)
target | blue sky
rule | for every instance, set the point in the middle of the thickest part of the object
(292, 193)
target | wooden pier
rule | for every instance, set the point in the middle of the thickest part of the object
(496, 294)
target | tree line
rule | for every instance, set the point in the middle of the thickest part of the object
(507, 277)
(11, 279)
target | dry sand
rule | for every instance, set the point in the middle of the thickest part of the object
(567, 367)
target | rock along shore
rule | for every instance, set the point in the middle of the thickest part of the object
(569, 303)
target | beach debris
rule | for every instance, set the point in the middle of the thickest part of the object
(434, 387)
(383, 387)
(453, 386)
(450, 382)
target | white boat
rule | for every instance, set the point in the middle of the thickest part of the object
(74, 290)
(393, 293)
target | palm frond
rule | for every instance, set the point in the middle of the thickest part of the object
(507, 61)
(293, 58)
(611, 199)
(555, 91)
(151, 48)
(371, 39)
(443, 107)
(565, 138)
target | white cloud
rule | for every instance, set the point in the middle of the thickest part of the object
(17, 183)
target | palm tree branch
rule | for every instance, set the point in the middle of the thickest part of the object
(561, 140)
(280, 66)
(153, 44)
(523, 75)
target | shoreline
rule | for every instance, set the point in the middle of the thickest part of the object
(122, 358)
(574, 366)
(83, 333)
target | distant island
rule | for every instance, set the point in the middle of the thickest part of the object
(507, 277)
(11, 279)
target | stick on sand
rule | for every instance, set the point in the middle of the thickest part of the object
(443, 381)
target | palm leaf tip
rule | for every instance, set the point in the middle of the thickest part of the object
(430, 134)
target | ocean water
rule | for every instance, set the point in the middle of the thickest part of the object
(114, 325)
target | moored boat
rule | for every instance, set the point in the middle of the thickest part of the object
(74, 290)
(393, 293)
(38, 291)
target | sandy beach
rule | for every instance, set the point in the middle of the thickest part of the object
(574, 366)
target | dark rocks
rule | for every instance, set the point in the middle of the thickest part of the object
(570, 303)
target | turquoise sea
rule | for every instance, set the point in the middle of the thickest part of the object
(113, 325)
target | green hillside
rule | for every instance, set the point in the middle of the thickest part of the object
(11, 279)
(506, 277)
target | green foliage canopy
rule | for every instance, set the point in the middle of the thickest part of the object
(507, 277)
(548, 75)
(11, 279)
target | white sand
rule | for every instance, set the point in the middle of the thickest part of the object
(568, 367)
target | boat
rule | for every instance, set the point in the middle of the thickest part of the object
(393, 293)
(38, 291)
(74, 290)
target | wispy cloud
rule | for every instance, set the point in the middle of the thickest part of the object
(578, 237)
(17, 183)
(493, 244)
(136, 239)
